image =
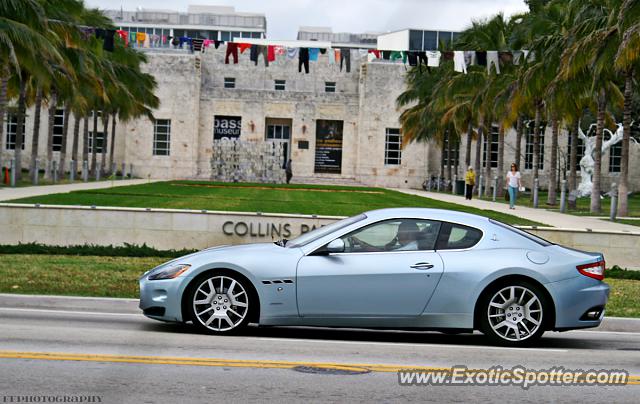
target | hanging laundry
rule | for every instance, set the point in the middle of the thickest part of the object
(375, 52)
(492, 59)
(292, 53)
(345, 56)
(395, 55)
(433, 58)
(271, 53)
(313, 54)
(147, 41)
(207, 43)
(423, 60)
(175, 41)
(336, 54)
(280, 51)
(331, 57)
(256, 51)
(470, 58)
(413, 58)
(447, 55)
(516, 57)
(323, 51)
(232, 50)
(197, 44)
(481, 58)
(217, 43)
(458, 62)
(133, 38)
(530, 56)
(244, 46)
(303, 60)
(362, 53)
(140, 36)
(386, 55)
(108, 40)
(164, 39)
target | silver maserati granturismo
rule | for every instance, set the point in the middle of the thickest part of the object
(405, 268)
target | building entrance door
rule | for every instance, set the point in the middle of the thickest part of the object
(279, 130)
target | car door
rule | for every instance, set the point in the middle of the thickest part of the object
(383, 271)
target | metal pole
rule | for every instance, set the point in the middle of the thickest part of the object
(535, 193)
(131, 171)
(54, 166)
(481, 180)
(614, 202)
(72, 170)
(34, 179)
(495, 188)
(85, 171)
(98, 170)
(13, 172)
(563, 196)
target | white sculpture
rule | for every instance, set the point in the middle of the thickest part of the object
(587, 162)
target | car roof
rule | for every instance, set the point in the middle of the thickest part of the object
(427, 213)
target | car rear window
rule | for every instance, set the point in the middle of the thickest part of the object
(455, 236)
(527, 235)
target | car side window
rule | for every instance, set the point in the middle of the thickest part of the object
(456, 236)
(393, 235)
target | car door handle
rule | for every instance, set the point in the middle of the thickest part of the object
(422, 265)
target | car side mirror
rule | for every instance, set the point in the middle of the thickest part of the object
(336, 246)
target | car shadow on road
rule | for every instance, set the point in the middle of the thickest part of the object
(549, 340)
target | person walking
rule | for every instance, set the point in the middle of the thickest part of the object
(469, 183)
(288, 170)
(514, 183)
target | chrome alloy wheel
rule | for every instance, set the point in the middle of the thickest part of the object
(220, 303)
(515, 313)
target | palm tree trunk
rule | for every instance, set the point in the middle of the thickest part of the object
(623, 187)
(53, 105)
(35, 139)
(519, 129)
(536, 139)
(597, 154)
(573, 156)
(500, 170)
(467, 152)
(478, 161)
(551, 195)
(4, 84)
(488, 134)
(442, 153)
(65, 133)
(94, 143)
(85, 140)
(449, 154)
(22, 107)
(105, 130)
(113, 140)
(76, 135)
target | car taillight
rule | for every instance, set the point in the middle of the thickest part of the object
(594, 270)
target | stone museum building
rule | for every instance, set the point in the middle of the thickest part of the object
(337, 123)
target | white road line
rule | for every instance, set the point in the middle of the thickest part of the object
(483, 347)
(96, 313)
(608, 332)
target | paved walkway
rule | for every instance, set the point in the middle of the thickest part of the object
(7, 193)
(555, 219)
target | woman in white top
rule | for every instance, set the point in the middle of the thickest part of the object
(513, 182)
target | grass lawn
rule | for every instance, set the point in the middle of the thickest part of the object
(582, 204)
(118, 277)
(632, 222)
(272, 198)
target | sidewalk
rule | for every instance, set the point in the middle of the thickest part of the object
(7, 193)
(551, 218)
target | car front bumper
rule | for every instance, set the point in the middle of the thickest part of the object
(160, 299)
(575, 297)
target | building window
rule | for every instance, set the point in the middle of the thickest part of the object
(392, 147)
(579, 153)
(329, 86)
(58, 126)
(615, 156)
(278, 132)
(229, 82)
(12, 131)
(99, 139)
(491, 153)
(528, 150)
(280, 85)
(161, 137)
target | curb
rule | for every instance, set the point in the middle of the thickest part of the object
(130, 306)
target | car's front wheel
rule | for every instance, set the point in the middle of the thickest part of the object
(219, 303)
(514, 313)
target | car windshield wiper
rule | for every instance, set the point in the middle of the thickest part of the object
(281, 243)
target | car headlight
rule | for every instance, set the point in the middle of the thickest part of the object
(170, 273)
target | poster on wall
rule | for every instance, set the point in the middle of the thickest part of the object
(226, 127)
(328, 146)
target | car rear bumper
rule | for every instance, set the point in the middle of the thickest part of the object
(575, 298)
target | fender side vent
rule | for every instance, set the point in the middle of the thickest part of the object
(267, 282)
(287, 281)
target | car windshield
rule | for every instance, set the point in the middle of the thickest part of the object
(324, 230)
(523, 233)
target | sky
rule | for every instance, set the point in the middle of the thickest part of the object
(355, 16)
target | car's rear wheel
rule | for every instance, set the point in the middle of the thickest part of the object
(219, 303)
(514, 313)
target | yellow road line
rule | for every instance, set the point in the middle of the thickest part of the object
(240, 363)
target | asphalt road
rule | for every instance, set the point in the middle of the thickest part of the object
(110, 351)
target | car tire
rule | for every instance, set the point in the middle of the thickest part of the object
(514, 313)
(219, 303)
